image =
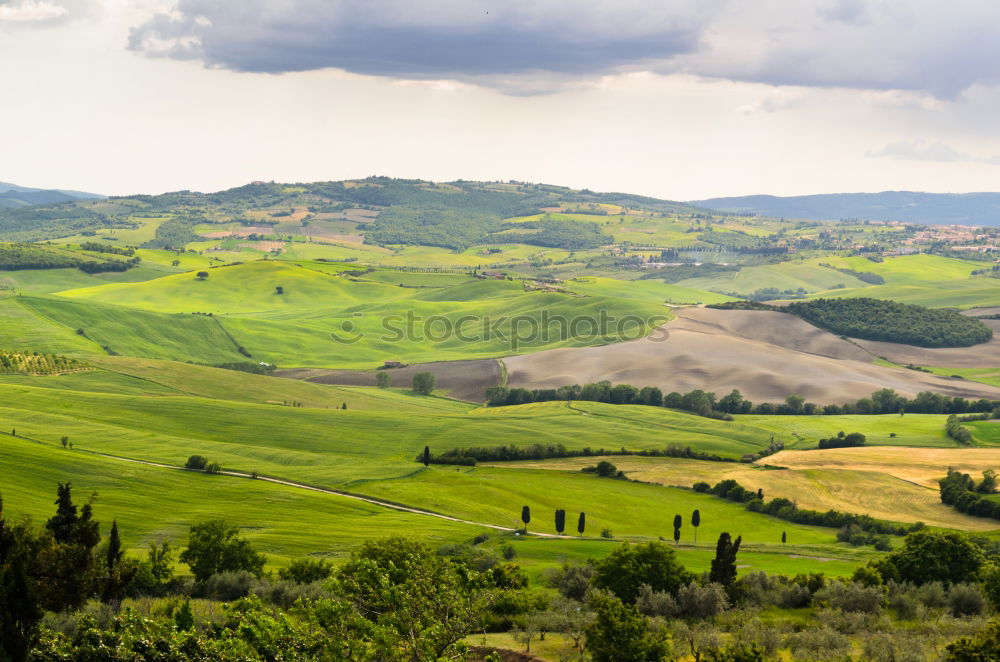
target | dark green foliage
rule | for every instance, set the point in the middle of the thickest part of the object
(560, 521)
(470, 456)
(196, 462)
(98, 247)
(843, 441)
(423, 383)
(628, 567)
(605, 469)
(954, 429)
(620, 633)
(525, 516)
(33, 256)
(581, 523)
(932, 556)
(432, 226)
(784, 509)
(54, 569)
(984, 646)
(875, 319)
(959, 491)
(215, 546)
(174, 234)
(48, 222)
(863, 276)
(556, 233)
(696, 522)
(383, 380)
(427, 456)
(724, 564)
(249, 366)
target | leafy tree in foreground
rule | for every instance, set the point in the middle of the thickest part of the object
(423, 383)
(932, 556)
(215, 546)
(724, 564)
(53, 569)
(619, 632)
(984, 646)
(628, 567)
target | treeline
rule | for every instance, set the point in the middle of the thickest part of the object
(559, 233)
(890, 321)
(843, 441)
(15, 256)
(863, 276)
(708, 404)
(249, 366)
(953, 428)
(474, 454)
(787, 510)
(962, 493)
(887, 321)
(97, 247)
(36, 363)
(173, 235)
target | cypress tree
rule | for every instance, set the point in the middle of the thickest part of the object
(115, 551)
(581, 523)
(64, 521)
(427, 455)
(784, 537)
(560, 521)
(696, 522)
(724, 564)
(525, 517)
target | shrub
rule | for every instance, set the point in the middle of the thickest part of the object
(853, 597)
(229, 586)
(196, 462)
(702, 601)
(966, 600)
(306, 571)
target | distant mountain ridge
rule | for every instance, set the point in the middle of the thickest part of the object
(13, 195)
(910, 206)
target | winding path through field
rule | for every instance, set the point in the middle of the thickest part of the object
(305, 486)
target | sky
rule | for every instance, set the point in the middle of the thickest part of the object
(678, 99)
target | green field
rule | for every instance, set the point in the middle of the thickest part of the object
(327, 316)
(918, 430)
(367, 449)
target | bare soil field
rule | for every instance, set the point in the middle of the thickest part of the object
(463, 380)
(980, 312)
(766, 355)
(821, 483)
(978, 356)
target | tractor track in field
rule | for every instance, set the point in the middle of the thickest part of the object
(305, 486)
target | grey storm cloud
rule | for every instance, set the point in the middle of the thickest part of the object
(518, 45)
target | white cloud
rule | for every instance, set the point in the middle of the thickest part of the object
(921, 150)
(31, 11)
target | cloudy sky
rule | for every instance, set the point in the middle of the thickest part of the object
(680, 99)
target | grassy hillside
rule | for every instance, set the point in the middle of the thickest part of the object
(126, 331)
(329, 316)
